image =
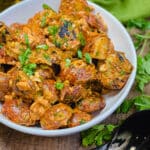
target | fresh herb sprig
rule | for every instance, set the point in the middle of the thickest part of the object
(27, 67)
(97, 135)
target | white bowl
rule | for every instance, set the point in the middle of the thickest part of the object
(118, 34)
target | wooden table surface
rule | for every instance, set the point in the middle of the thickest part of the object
(14, 140)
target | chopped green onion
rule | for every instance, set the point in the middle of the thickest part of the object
(26, 38)
(79, 53)
(53, 30)
(42, 46)
(68, 62)
(88, 58)
(59, 85)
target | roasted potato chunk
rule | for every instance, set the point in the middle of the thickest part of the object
(74, 6)
(71, 94)
(99, 48)
(115, 71)
(18, 112)
(4, 85)
(78, 118)
(78, 72)
(91, 103)
(56, 117)
(38, 108)
(49, 91)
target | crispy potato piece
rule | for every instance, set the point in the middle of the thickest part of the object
(22, 85)
(4, 85)
(70, 94)
(78, 72)
(79, 117)
(38, 108)
(17, 111)
(71, 7)
(91, 103)
(115, 71)
(49, 91)
(55, 117)
(99, 47)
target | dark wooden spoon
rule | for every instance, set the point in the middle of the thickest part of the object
(134, 133)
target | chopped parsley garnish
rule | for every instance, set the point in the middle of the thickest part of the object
(26, 38)
(47, 57)
(23, 58)
(88, 58)
(46, 6)
(57, 43)
(29, 69)
(53, 30)
(42, 46)
(59, 85)
(68, 62)
(43, 21)
(97, 135)
(81, 39)
(79, 53)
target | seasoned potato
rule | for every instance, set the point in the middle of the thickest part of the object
(78, 118)
(23, 86)
(74, 6)
(38, 108)
(56, 117)
(78, 72)
(71, 94)
(18, 112)
(99, 48)
(115, 71)
(91, 103)
(49, 91)
(4, 85)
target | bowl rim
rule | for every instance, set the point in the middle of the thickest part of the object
(94, 121)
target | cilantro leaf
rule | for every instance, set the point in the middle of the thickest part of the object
(143, 72)
(125, 106)
(142, 102)
(97, 135)
(139, 23)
